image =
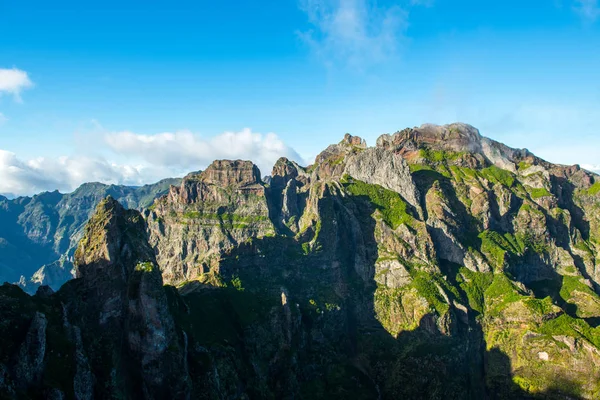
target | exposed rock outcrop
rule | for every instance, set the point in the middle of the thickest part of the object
(377, 166)
(126, 301)
(207, 214)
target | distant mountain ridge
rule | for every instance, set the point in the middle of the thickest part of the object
(39, 234)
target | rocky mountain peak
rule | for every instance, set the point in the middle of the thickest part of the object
(336, 152)
(463, 140)
(226, 173)
(453, 137)
(124, 309)
(115, 241)
(210, 184)
(354, 141)
(285, 170)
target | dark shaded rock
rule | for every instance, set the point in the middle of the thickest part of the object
(44, 292)
(30, 359)
(126, 302)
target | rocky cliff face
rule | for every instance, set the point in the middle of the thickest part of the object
(438, 264)
(207, 214)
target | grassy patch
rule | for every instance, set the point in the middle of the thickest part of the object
(538, 193)
(569, 326)
(517, 246)
(226, 217)
(236, 282)
(584, 246)
(593, 190)
(540, 306)
(439, 155)
(386, 300)
(320, 308)
(144, 267)
(498, 175)
(419, 167)
(495, 246)
(572, 283)
(393, 208)
(426, 286)
(527, 240)
(291, 222)
(500, 294)
(528, 208)
(474, 285)
(524, 165)
(462, 174)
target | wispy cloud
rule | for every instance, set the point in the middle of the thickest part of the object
(588, 10)
(355, 33)
(186, 150)
(3, 119)
(13, 81)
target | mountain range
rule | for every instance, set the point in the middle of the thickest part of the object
(39, 234)
(438, 264)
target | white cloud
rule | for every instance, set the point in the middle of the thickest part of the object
(142, 159)
(588, 10)
(13, 81)
(188, 151)
(356, 33)
(26, 177)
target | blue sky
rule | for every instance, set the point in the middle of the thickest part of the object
(133, 91)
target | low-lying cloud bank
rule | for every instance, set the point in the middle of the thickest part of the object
(140, 159)
(187, 150)
(26, 177)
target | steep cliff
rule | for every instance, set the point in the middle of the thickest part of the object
(207, 214)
